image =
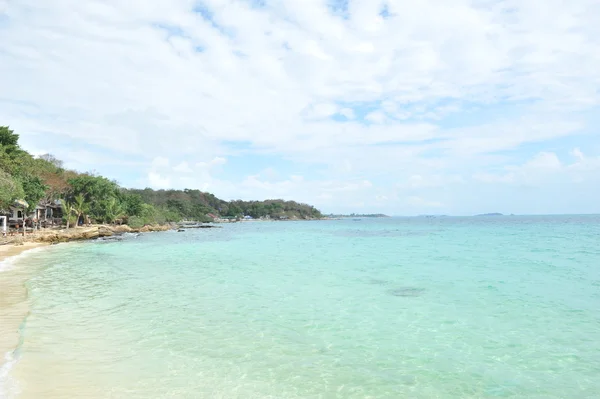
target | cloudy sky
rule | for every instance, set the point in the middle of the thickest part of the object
(395, 106)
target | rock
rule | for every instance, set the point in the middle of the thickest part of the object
(122, 229)
(406, 291)
(105, 232)
(87, 234)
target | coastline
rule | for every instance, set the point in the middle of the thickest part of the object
(13, 302)
(13, 294)
(10, 250)
(14, 306)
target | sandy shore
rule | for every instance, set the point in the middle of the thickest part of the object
(9, 250)
(13, 307)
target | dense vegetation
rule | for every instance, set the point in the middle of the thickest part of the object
(197, 205)
(44, 179)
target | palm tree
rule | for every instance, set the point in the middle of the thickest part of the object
(80, 207)
(68, 210)
(113, 211)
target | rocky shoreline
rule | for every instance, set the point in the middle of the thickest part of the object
(83, 233)
(55, 236)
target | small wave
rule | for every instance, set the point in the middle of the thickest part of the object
(8, 387)
(119, 237)
(10, 261)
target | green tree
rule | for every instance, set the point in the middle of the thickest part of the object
(9, 140)
(113, 210)
(34, 189)
(97, 191)
(234, 210)
(10, 190)
(133, 205)
(80, 207)
(68, 211)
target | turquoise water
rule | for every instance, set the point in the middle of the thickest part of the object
(488, 307)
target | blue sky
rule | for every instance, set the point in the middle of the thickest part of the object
(438, 107)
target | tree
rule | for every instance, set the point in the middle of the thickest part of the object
(234, 210)
(34, 189)
(97, 191)
(113, 210)
(68, 211)
(80, 207)
(132, 204)
(10, 190)
(9, 140)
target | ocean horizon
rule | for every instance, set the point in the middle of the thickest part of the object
(399, 307)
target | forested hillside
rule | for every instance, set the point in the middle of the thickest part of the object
(44, 179)
(195, 204)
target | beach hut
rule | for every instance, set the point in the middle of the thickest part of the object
(18, 209)
(49, 212)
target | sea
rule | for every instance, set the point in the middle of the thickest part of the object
(422, 307)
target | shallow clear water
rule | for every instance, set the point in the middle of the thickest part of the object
(387, 308)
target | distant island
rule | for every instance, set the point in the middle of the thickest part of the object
(490, 214)
(359, 215)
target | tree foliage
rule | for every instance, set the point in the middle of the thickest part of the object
(101, 194)
(9, 140)
(80, 207)
(10, 190)
(196, 205)
(33, 188)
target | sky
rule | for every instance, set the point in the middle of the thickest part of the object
(453, 107)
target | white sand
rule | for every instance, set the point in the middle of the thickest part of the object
(13, 307)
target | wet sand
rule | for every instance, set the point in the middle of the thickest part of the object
(13, 307)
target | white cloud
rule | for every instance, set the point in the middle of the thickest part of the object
(419, 202)
(376, 117)
(576, 152)
(546, 166)
(544, 160)
(183, 175)
(183, 167)
(217, 161)
(348, 113)
(321, 111)
(160, 162)
(585, 164)
(494, 178)
(418, 181)
(161, 84)
(157, 181)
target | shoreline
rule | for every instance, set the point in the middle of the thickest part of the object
(14, 306)
(13, 293)
(11, 250)
(13, 302)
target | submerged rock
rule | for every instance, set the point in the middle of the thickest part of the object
(377, 281)
(406, 291)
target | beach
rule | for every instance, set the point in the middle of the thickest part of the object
(13, 295)
(13, 307)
